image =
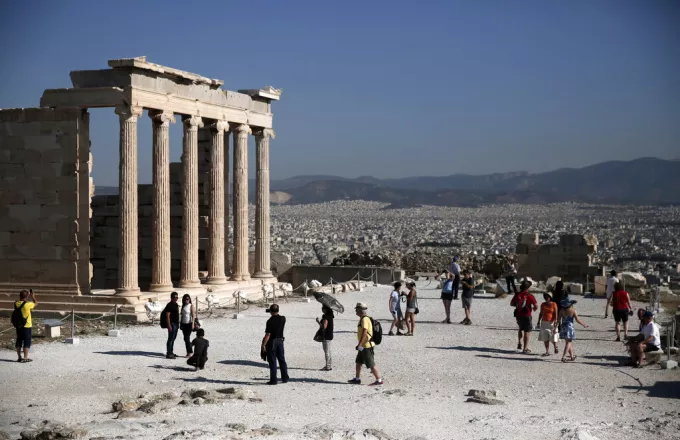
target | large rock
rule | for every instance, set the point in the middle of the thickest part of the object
(485, 400)
(551, 282)
(576, 288)
(637, 293)
(632, 279)
(50, 431)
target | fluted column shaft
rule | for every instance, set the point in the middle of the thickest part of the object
(216, 239)
(240, 270)
(227, 191)
(189, 267)
(161, 280)
(128, 281)
(262, 229)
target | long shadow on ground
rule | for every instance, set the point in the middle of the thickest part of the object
(132, 353)
(666, 390)
(525, 358)
(480, 349)
(172, 367)
(248, 363)
(218, 381)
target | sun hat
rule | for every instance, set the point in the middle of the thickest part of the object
(548, 294)
(360, 306)
(648, 314)
(567, 302)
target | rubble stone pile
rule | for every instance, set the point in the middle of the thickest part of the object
(363, 259)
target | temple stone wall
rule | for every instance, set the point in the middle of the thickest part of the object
(569, 259)
(45, 193)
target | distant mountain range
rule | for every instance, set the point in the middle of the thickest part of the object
(639, 181)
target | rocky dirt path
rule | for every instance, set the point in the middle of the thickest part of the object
(427, 378)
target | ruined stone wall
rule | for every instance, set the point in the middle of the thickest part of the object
(45, 192)
(570, 259)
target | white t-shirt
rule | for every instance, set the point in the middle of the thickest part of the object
(652, 330)
(454, 269)
(394, 300)
(610, 285)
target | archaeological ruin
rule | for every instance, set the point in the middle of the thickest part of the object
(146, 241)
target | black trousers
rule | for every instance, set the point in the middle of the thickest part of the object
(276, 353)
(186, 331)
(510, 280)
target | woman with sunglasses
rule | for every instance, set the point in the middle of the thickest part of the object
(187, 322)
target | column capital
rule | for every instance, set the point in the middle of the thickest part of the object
(219, 126)
(162, 117)
(243, 128)
(128, 111)
(192, 123)
(266, 132)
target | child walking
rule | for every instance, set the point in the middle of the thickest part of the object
(568, 315)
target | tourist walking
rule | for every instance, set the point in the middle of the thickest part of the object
(547, 324)
(411, 308)
(525, 304)
(22, 320)
(187, 322)
(326, 334)
(395, 309)
(622, 309)
(468, 294)
(200, 350)
(569, 316)
(365, 352)
(447, 296)
(511, 276)
(170, 317)
(454, 269)
(609, 290)
(272, 343)
(651, 339)
(559, 294)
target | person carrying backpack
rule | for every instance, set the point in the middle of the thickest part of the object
(23, 322)
(524, 304)
(369, 334)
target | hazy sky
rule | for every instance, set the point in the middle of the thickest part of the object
(391, 88)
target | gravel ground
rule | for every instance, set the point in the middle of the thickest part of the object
(426, 379)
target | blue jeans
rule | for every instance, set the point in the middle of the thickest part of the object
(172, 335)
(275, 353)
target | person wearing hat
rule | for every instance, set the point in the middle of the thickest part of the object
(272, 343)
(568, 315)
(524, 304)
(609, 290)
(651, 339)
(547, 324)
(365, 354)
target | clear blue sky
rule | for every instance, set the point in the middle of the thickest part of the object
(384, 88)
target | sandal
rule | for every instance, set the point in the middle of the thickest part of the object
(26, 360)
(573, 359)
(519, 346)
(557, 351)
(527, 351)
(564, 359)
(545, 354)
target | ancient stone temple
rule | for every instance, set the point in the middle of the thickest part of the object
(46, 192)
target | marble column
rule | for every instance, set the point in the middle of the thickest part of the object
(216, 239)
(240, 270)
(161, 280)
(262, 229)
(128, 282)
(227, 191)
(189, 267)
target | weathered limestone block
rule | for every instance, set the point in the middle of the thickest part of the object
(632, 279)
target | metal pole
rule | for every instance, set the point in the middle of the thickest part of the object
(73, 323)
(115, 317)
(238, 304)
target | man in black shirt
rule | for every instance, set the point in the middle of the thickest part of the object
(171, 316)
(273, 344)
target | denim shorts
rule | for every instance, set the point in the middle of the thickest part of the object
(397, 312)
(24, 337)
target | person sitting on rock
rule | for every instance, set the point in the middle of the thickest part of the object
(651, 339)
(200, 346)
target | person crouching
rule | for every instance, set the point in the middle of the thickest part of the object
(200, 354)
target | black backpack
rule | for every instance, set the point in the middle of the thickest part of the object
(18, 320)
(163, 321)
(376, 337)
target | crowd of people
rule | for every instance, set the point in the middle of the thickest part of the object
(556, 322)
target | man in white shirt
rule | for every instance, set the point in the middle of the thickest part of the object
(651, 342)
(395, 309)
(455, 270)
(609, 290)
